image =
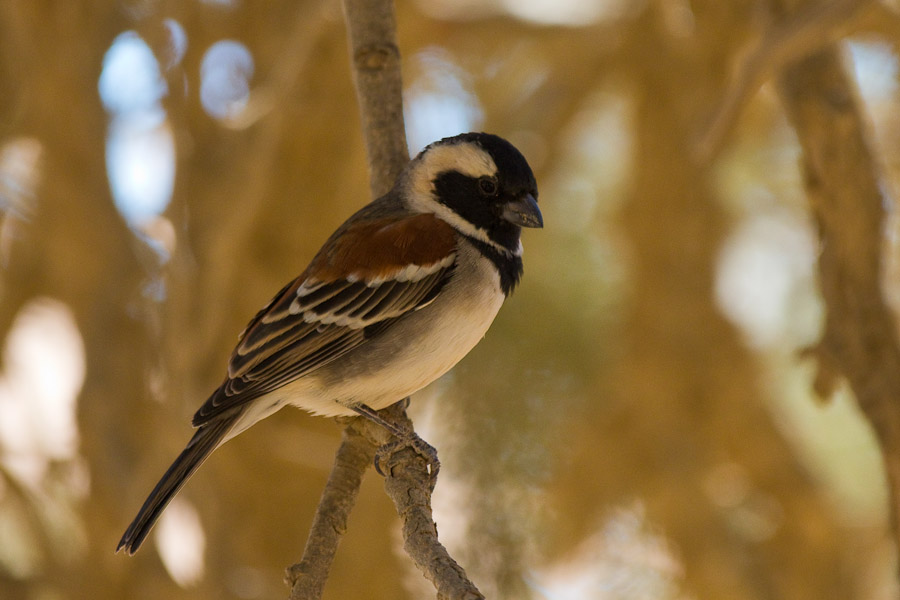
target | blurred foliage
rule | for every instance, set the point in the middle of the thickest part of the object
(637, 423)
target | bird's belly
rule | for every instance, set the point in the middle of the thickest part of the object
(415, 360)
(409, 355)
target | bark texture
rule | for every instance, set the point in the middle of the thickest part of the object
(859, 341)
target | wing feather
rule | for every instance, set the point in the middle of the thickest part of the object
(371, 302)
(333, 306)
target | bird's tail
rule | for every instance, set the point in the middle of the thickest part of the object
(205, 440)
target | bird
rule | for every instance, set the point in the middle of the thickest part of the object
(398, 294)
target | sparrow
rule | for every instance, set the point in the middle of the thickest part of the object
(398, 294)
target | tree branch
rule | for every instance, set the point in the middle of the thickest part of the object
(815, 25)
(408, 483)
(860, 336)
(376, 72)
(356, 452)
(376, 67)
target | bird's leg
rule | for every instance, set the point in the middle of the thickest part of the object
(405, 437)
(371, 414)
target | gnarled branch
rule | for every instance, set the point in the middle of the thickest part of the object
(409, 484)
(860, 338)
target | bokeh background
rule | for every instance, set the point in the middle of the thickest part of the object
(638, 424)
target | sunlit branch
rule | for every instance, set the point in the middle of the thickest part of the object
(859, 340)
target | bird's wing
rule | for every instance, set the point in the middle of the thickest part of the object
(366, 277)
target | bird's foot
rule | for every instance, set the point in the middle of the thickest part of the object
(404, 437)
(385, 456)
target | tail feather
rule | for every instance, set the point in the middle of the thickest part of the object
(205, 440)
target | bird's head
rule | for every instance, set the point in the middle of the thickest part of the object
(478, 183)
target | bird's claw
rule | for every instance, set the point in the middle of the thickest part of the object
(384, 455)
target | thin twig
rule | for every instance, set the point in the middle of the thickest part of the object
(814, 26)
(356, 452)
(860, 338)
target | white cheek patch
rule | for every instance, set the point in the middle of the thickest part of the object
(466, 158)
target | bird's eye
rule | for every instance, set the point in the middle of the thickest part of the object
(487, 185)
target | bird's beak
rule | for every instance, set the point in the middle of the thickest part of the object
(523, 212)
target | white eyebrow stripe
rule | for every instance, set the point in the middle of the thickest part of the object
(466, 158)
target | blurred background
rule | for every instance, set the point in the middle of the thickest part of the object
(639, 422)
